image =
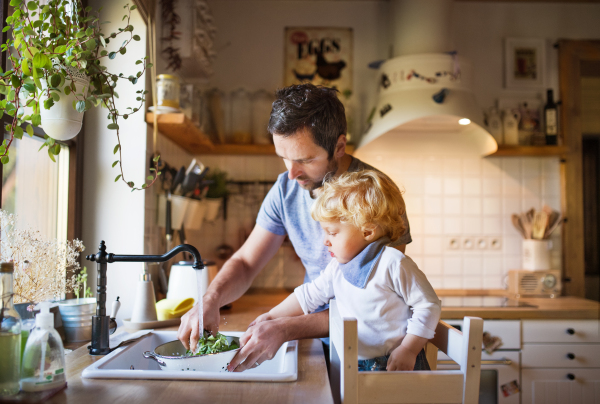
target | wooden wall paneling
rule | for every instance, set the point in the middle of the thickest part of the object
(571, 53)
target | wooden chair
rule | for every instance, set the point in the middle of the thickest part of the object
(349, 386)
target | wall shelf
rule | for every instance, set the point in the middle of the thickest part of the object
(182, 131)
(531, 151)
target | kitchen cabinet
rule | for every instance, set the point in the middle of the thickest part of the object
(560, 361)
(529, 151)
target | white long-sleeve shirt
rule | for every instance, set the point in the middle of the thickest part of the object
(396, 300)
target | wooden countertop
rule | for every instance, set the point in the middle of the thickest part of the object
(312, 385)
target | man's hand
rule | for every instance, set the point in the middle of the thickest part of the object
(401, 358)
(259, 343)
(261, 318)
(188, 332)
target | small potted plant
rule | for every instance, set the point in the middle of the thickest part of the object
(55, 51)
(77, 313)
(217, 190)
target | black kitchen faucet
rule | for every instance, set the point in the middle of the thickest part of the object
(101, 322)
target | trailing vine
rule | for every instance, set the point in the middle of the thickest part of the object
(48, 44)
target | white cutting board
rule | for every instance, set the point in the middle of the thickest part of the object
(128, 363)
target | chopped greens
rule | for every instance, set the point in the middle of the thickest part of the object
(209, 345)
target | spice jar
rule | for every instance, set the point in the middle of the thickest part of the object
(167, 91)
(241, 119)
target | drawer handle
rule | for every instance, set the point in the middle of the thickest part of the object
(570, 331)
(571, 356)
(570, 376)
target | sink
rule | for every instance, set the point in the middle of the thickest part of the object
(128, 363)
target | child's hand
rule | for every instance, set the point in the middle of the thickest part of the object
(261, 318)
(401, 358)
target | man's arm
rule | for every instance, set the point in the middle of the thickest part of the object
(234, 278)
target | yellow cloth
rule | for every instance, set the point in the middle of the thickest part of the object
(173, 308)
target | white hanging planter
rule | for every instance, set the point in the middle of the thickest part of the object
(62, 121)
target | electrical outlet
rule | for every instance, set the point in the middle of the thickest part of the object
(453, 243)
(468, 243)
(482, 243)
(495, 243)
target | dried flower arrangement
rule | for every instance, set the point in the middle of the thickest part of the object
(40, 266)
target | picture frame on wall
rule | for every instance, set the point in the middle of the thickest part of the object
(319, 55)
(524, 63)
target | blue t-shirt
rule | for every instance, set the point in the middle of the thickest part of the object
(286, 210)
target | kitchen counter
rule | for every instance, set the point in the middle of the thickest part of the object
(312, 385)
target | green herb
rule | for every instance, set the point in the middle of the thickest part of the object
(209, 345)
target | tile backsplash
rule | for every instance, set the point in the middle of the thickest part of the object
(459, 212)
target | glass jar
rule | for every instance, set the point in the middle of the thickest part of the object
(241, 118)
(10, 334)
(167, 91)
(262, 103)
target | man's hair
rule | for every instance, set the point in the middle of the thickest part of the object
(315, 108)
(362, 199)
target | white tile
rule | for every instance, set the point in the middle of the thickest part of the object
(492, 225)
(531, 166)
(492, 206)
(472, 167)
(452, 186)
(492, 186)
(551, 187)
(412, 165)
(452, 282)
(512, 262)
(472, 225)
(532, 202)
(433, 186)
(435, 281)
(452, 205)
(452, 266)
(511, 186)
(414, 205)
(532, 187)
(492, 264)
(473, 265)
(553, 202)
(416, 224)
(412, 186)
(492, 282)
(551, 166)
(452, 225)
(510, 206)
(472, 282)
(415, 247)
(471, 206)
(472, 186)
(491, 167)
(432, 225)
(432, 165)
(432, 205)
(452, 167)
(512, 245)
(418, 259)
(432, 266)
(511, 167)
(432, 245)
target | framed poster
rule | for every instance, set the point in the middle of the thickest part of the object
(321, 56)
(524, 63)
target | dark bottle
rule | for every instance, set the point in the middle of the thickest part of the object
(551, 120)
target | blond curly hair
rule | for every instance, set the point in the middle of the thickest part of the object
(363, 199)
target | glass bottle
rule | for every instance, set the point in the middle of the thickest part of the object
(241, 118)
(551, 119)
(10, 334)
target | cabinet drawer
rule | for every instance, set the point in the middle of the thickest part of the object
(571, 331)
(560, 356)
(560, 386)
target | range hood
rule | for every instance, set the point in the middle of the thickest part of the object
(425, 105)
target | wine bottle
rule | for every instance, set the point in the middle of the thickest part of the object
(551, 120)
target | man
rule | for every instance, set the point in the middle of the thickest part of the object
(308, 125)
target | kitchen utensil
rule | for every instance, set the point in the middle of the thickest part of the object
(516, 221)
(172, 356)
(173, 308)
(177, 180)
(526, 224)
(551, 227)
(540, 221)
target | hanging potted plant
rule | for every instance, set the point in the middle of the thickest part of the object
(56, 74)
(217, 190)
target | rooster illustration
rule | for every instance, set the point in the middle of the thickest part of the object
(329, 71)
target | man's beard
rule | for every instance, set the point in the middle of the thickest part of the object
(312, 184)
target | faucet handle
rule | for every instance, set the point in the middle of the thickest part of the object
(91, 257)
